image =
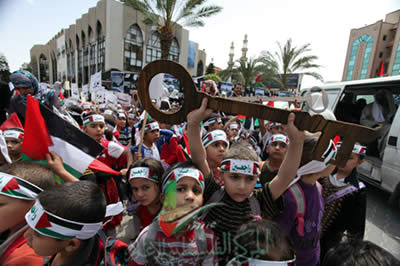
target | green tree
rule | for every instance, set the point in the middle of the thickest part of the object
(288, 60)
(214, 77)
(4, 68)
(166, 14)
(210, 69)
(26, 66)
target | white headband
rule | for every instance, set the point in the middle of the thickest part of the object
(15, 187)
(212, 121)
(278, 137)
(214, 136)
(10, 133)
(233, 126)
(240, 166)
(151, 127)
(179, 173)
(3, 147)
(54, 226)
(108, 112)
(142, 172)
(93, 119)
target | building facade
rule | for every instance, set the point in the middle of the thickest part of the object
(372, 45)
(111, 36)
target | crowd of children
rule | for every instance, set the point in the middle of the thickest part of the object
(274, 204)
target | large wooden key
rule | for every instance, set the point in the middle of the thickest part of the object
(351, 133)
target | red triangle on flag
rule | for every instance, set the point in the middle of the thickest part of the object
(36, 137)
(12, 122)
(168, 228)
(11, 185)
(43, 222)
(102, 167)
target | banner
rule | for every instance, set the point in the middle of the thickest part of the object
(117, 79)
(123, 98)
(95, 81)
(226, 88)
(111, 100)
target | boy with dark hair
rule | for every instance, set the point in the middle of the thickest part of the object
(345, 203)
(20, 183)
(14, 138)
(154, 138)
(213, 121)
(66, 229)
(240, 170)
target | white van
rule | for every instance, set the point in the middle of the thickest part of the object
(381, 172)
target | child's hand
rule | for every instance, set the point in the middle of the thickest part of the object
(198, 115)
(55, 162)
(293, 132)
(137, 156)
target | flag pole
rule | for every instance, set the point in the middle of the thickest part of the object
(142, 133)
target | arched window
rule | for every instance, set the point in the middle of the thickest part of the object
(153, 51)
(71, 64)
(44, 68)
(100, 47)
(79, 49)
(353, 54)
(85, 62)
(174, 51)
(396, 64)
(200, 68)
(92, 53)
(133, 49)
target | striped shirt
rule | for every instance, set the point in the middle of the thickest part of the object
(182, 250)
(226, 220)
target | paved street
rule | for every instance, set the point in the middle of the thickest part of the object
(383, 222)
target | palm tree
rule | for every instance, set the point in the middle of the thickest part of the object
(166, 14)
(290, 59)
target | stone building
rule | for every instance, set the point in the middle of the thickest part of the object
(372, 45)
(110, 36)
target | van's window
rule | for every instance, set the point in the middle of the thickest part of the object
(332, 95)
(368, 98)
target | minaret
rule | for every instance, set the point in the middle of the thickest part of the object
(231, 54)
(244, 49)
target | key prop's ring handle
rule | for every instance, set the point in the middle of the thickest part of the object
(325, 100)
(351, 133)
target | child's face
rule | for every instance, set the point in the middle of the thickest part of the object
(239, 186)
(44, 245)
(232, 133)
(15, 209)
(131, 121)
(353, 162)
(14, 146)
(152, 136)
(121, 122)
(145, 191)
(95, 130)
(277, 150)
(215, 126)
(188, 191)
(215, 152)
(277, 130)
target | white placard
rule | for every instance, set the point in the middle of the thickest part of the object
(111, 100)
(123, 98)
(156, 87)
(100, 95)
(85, 91)
(95, 81)
(74, 91)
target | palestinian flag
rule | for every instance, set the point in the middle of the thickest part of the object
(45, 131)
(12, 122)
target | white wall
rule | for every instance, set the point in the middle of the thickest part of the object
(114, 37)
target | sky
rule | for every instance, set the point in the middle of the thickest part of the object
(324, 24)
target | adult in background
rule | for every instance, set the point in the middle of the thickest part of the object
(5, 95)
(379, 114)
(237, 90)
(26, 84)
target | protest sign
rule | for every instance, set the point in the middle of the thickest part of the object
(123, 98)
(74, 91)
(85, 91)
(95, 81)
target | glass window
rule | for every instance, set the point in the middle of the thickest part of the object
(367, 53)
(396, 64)
(133, 48)
(174, 51)
(153, 51)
